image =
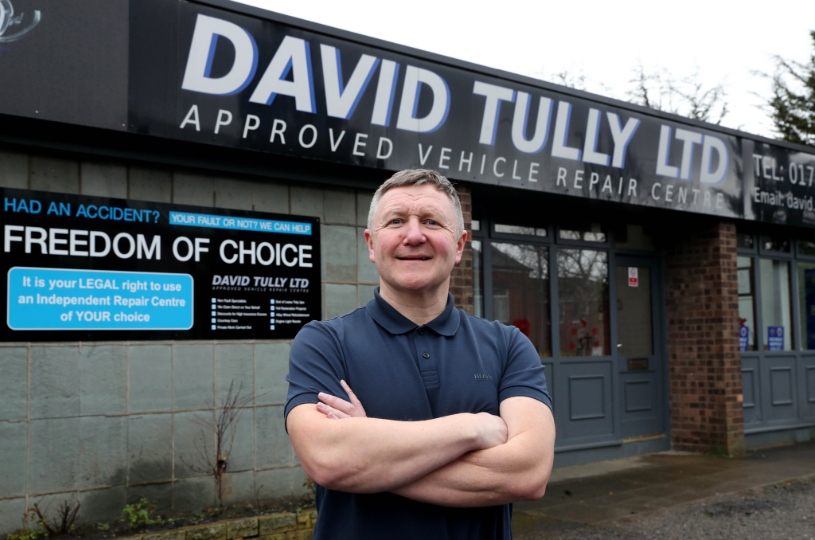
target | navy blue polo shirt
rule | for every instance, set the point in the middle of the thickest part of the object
(400, 371)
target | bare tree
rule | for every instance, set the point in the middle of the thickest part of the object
(218, 437)
(686, 96)
(62, 524)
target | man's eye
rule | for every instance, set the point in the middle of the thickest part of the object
(396, 221)
(432, 222)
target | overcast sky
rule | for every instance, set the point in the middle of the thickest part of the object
(602, 41)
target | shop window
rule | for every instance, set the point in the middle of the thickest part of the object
(475, 225)
(747, 305)
(745, 241)
(500, 305)
(633, 237)
(806, 304)
(520, 277)
(775, 243)
(519, 229)
(776, 309)
(478, 279)
(806, 247)
(588, 232)
(584, 302)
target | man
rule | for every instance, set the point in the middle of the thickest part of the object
(449, 418)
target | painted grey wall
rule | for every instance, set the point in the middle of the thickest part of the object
(105, 424)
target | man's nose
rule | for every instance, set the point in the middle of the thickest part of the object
(414, 233)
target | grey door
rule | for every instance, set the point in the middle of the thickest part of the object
(639, 353)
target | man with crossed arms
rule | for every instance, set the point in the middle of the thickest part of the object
(449, 420)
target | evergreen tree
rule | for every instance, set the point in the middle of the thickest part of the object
(792, 106)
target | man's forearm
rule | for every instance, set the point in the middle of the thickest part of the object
(483, 478)
(515, 471)
(367, 455)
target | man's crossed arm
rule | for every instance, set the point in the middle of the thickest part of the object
(458, 460)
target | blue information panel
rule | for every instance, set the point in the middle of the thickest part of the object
(92, 268)
(775, 338)
(55, 299)
(238, 224)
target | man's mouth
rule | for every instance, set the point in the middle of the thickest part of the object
(413, 258)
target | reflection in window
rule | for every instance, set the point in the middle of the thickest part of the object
(774, 243)
(806, 303)
(806, 247)
(744, 240)
(747, 305)
(775, 304)
(589, 232)
(520, 277)
(583, 291)
(478, 280)
(518, 229)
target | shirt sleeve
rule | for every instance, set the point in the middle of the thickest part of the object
(524, 373)
(316, 364)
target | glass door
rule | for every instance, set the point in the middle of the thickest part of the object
(640, 359)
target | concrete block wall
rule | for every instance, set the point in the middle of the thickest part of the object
(105, 424)
(704, 358)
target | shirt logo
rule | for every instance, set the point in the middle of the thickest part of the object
(482, 377)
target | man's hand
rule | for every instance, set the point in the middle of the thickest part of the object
(492, 429)
(336, 408)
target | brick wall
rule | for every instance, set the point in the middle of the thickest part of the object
(704, 358)
(461, 283)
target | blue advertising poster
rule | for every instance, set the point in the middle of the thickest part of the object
(744, 335)
(58, 299)
(775, 338)
(90, 268)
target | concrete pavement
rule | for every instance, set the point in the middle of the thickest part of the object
(605, 492)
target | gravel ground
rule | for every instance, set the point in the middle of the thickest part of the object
(784, 511)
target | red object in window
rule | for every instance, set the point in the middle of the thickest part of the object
(523, 325)
(573, 331)
(571, 345)
(583, 323)
(594, 331)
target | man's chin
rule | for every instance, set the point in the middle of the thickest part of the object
(417, 286)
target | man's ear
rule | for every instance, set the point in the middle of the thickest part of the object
(460, 246)
(369, 239)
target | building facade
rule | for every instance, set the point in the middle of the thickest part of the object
(188, 184)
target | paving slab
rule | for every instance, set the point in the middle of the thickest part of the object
(590, 495)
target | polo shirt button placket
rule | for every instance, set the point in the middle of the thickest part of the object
(426, 354)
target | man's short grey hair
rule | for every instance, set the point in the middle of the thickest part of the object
(418, 177)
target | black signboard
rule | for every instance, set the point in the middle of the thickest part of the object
(262, 85)
(217, 73)
(65, 60)
(91, 268)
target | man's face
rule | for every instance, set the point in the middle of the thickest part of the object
(414, 242)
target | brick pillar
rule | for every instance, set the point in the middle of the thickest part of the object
(703, 346)
(461, 282)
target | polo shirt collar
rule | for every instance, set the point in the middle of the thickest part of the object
(394, 322)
